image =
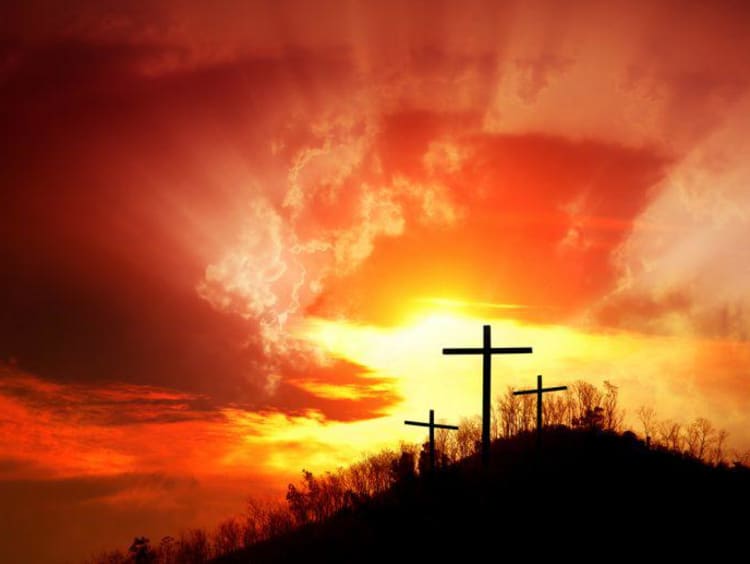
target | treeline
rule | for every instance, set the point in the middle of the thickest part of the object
(584, 405)
(698, 439)
(313, 500)
(316, 498)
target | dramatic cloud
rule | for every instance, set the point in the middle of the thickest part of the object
(685, 262)
(187, 189)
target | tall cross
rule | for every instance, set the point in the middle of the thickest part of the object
(487, 351)
(539, 391)
(432, 425)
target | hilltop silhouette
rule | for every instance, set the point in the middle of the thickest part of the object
(582, 490)
(587, 490)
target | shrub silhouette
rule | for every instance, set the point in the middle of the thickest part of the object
(140, 551)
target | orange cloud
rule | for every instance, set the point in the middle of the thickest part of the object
(187, 186)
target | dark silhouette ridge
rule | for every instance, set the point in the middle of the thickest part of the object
(589, 494)
(591, 487)
(487, 350)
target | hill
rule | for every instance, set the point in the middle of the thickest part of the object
(586, 494)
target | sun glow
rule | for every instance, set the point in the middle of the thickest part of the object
(464, 304)
(410, 355)
(410, 358)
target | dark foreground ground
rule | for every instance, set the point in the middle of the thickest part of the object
(586, 496)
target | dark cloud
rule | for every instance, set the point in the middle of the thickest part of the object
(11, 467)
(498, 152)
(110, 212)
(114, 210)
(67, 520)
(108, 405)
(341, 391)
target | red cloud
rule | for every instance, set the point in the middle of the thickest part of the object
(179, 182)
(522, 199)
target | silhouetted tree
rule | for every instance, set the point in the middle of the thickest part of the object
(507, 408)
(741, 458)
(402, 470)
(167, 551)
(445, 447)
(228, 536)
(593, 419)
(140, 551)
(297, 502)
(316, 498)
(423, 464)
(193, 547)
(699, 438)
(527, 414)
(717, 454)
(468, 437)
(512, 413)
(265, 520)
(578, 406)
(647, 417)
(557, 409)
(612, 415)
(585, 398)
(670, 435)
(373, 475)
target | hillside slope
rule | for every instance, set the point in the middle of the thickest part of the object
(586, 495)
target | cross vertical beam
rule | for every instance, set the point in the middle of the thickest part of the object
(539, 404)
(432, 425)
(432, 440)
(487, 351)
(539, 390)
(486, 392)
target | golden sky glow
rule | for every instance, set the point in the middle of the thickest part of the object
(235, 237)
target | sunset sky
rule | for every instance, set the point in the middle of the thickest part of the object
(235, 237)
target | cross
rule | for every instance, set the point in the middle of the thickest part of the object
(432, 425)
(539, 391)
(487, 350)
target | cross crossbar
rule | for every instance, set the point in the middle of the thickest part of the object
(435, 425)
(492, 350)
(432, 425)
(527, 392)
(539, 390)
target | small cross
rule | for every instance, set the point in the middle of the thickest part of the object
(487, 350)
(432, 425)
(539, 391)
